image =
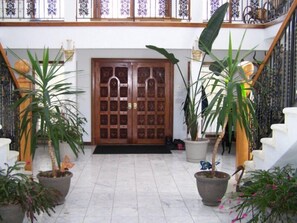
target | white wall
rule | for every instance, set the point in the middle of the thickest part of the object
(126, 42)
(84, 81)
(98, 37)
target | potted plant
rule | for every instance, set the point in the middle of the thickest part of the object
(196, 147)
(20, 195)
(268, 196)
(229, 105)
(52, 115)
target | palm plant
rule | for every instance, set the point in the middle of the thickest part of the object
(49, 109)
(231, 103)
(192, 103)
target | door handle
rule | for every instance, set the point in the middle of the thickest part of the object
(129, 106)
(135, 105)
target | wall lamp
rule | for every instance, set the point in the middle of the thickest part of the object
(69, 51)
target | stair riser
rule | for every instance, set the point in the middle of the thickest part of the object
(283, 140)
(249, 165)
(291, 122)
(259, 164)
(282, 147)
(273, 151)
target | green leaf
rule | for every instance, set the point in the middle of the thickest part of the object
(164, 52)
(211, 31)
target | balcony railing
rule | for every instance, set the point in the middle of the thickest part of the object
(251, 11)
(246, 11)
(32, 9)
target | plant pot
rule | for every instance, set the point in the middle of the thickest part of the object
(196, 150)
(11, 213)
(212, 189)
(65, 150)
(60, 183)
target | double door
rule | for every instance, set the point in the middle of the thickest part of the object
(132, 101)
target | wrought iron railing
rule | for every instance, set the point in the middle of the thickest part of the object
(276, 85)
(24, 10)
(9, 116)
(251, 11)
(247, 11)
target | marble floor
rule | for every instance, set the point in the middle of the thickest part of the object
(135, 188)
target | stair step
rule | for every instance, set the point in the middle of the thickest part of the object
(279, 127)
(290, 118)
(259, 154)
(270, 151)
(249, 165)
(290, 110)
(282, 137)
(268, 141)
(259, 160)
(281, 146)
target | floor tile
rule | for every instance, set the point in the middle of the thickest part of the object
(97, 219)
(134, 188)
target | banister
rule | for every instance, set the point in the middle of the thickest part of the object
(275, 82)
(243, 147)
(9, 115)
(277, 37)
(9, 67)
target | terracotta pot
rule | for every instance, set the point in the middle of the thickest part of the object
(212, 189)
(61, 183)
(11, 213)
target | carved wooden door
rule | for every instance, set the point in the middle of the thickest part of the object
(132, 101)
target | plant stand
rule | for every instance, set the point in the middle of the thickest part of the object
(196, 150)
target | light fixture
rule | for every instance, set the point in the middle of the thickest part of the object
(196, 53)
(69, 51)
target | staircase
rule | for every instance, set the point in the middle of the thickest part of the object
(6, 155)
(281, 148)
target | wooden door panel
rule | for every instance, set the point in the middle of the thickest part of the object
(112, 124)
(151, 123)
(132, 101)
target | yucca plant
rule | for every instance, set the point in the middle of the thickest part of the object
(49, 110)
(231, 103)
(192, 104)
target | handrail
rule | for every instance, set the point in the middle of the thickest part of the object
(3, 53)
(9, 116)
(276, 39)
(275, 82)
